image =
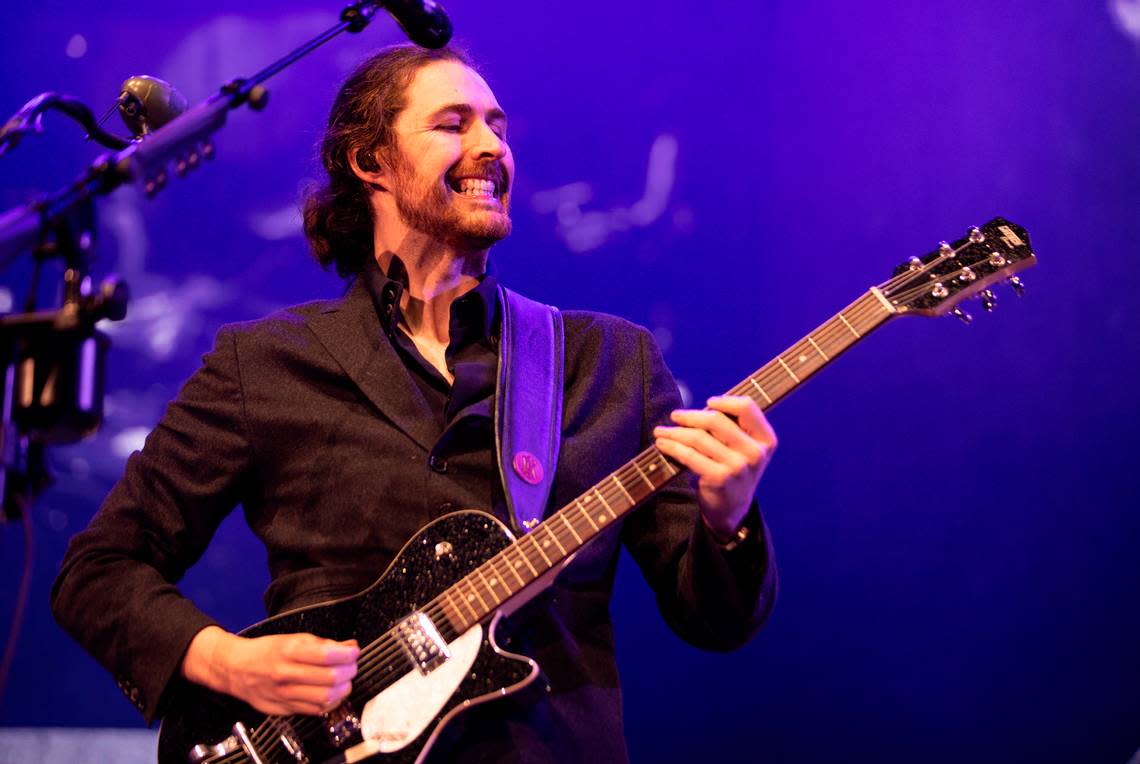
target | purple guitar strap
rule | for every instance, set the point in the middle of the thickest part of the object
(528, 405)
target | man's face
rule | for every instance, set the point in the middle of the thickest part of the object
(451, 167)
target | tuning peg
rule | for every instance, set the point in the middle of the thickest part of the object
(989, 300)
(962, 316)
(976, 235)
(1017, 284)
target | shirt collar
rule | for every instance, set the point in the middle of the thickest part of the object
(473, 314)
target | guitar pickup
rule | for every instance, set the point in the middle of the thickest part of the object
(422, 642)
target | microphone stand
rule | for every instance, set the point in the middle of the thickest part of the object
(53, 361)
(184, 141)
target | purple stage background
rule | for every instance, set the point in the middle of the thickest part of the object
(954, 509)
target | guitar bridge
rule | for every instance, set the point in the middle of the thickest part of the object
(341, 724)
(422, 642)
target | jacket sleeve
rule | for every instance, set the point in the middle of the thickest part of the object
(714, 597)
(115, 593)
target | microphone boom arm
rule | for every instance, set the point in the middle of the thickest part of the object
(183, 141)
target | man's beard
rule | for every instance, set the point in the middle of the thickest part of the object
(431, 210)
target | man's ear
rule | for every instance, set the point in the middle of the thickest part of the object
(366, 167)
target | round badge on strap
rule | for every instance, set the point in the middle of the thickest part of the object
(528, 467)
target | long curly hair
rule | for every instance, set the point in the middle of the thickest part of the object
(337, 215)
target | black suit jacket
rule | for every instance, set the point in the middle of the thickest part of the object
(309, 420)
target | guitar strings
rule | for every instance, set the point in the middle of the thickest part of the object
(379, 657)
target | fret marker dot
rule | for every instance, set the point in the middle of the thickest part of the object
(546, 543)
(470, 597)
(601, 518)
(494, 581)
(518, 563)
(803, 359)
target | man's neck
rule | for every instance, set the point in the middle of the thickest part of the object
(437, 276)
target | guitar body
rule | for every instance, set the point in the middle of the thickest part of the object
(401, 708)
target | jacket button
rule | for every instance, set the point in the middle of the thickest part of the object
(437, 464)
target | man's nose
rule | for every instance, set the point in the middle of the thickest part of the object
(486, 143)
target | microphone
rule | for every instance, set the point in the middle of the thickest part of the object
(147, 103)
(423, 21)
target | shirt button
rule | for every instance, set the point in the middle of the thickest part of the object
(437, 463)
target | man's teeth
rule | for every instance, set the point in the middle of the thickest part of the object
(474, 187)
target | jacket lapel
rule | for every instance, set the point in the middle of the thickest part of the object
(350, 330)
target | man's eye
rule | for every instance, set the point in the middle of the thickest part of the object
(451, 128)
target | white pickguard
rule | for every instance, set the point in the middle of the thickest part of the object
(401, 712)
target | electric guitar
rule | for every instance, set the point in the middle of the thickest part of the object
(427, 625)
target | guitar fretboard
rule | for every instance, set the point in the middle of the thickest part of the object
(480, 593)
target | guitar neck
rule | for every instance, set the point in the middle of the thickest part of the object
(475, 597)
(790, 369)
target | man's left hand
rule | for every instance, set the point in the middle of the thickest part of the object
(727, 445)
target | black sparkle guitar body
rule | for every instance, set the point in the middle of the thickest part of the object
(199, 724)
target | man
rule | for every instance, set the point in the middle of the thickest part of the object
(344, 426)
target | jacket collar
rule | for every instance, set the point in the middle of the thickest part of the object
(350, 330)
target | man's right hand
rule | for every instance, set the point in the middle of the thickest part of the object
(278, 674)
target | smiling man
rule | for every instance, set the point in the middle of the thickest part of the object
(343, 427)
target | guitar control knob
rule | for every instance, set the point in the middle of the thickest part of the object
(989, 300)
(1017, 284)
(962, 316)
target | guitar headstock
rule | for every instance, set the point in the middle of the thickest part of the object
(933, 285)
